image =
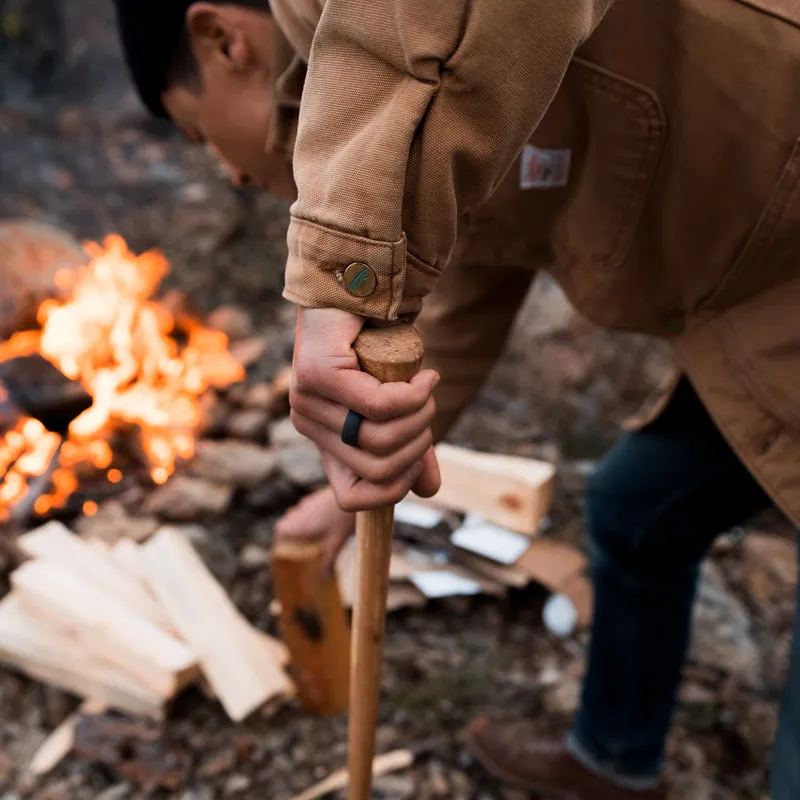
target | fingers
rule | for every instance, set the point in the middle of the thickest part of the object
(380, 439)
(430, 479)
(355, 494)
(376, 469)
(352, 389)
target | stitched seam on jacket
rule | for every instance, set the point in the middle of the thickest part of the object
(754, 252)
(646, 105)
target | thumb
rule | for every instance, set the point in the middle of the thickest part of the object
(430, 479)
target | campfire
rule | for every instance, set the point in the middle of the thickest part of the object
(134, 371)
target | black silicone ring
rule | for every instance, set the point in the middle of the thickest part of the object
(351, 427)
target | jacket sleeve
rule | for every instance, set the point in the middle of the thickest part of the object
(412, 112)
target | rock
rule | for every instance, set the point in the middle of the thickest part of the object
(298, 458)
(284, 434)
(258, 396)
(723, 633)
(233, 321)
(248, 351)
(214, 414)
(302, 465)
(237, 783)
(240, 464)
(564, 697)
(112, 523)
(58, 706)
(224, 761)
(6, 768)
(134, 749)
(248, 423)
(31, 253)
(118, 792)
(185, 498)
(395, 787)
(437, 782)
(770, 566)
(254, 557)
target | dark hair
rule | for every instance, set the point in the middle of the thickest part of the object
(158, 47)
(182, 68)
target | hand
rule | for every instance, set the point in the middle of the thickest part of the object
(395, 452)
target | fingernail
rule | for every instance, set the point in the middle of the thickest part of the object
(436, 380)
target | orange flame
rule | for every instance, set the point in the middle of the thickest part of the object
(110, 335)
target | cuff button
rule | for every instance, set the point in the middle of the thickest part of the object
(359, 279)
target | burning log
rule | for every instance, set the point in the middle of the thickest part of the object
(107, 357)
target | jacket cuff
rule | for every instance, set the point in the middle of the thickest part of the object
(321, 262)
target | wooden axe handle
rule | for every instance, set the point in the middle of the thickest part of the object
(391, 355)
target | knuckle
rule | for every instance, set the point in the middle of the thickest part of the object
(305, 376)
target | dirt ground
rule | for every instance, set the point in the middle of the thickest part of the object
(76, 150)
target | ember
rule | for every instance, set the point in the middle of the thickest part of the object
(142, 371)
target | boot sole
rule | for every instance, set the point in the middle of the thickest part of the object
(498, 772)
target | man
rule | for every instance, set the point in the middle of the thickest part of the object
(648, 156)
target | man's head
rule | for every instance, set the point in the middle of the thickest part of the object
(207, 66)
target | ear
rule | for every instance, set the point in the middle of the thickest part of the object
(217, 35)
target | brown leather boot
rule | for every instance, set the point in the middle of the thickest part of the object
(512, 753)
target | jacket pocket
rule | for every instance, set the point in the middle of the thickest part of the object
(622, 131)
(771, 253)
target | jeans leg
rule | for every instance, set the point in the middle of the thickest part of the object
(786, 755)
(656, 503)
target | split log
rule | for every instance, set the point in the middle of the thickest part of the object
(510, 491)
(314, 625)
(53, 542)
(45, 653)
(105, 626)
(241, 674)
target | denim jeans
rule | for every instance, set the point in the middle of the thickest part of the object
(654, 506)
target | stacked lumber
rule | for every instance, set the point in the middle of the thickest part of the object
(129, 627)
(482, 534)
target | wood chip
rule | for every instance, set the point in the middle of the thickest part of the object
(58, 745)
(45, 653)
(105, 626)
(381, 765)
(243, 676)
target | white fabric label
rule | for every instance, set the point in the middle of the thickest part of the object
(544, 169)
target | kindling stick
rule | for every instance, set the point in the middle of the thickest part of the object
(391, 355)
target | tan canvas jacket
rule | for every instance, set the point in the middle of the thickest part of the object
(665, 189)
